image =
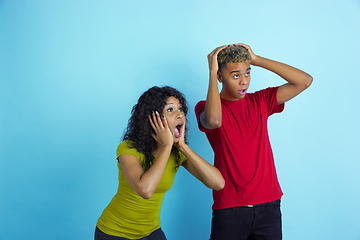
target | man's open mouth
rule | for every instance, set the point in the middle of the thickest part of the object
(242, 92)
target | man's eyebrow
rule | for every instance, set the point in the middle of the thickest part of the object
(237, 71)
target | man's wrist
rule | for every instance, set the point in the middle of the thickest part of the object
(213, 75)
(213, 71)
(257, 61)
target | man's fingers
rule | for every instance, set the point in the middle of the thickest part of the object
(213, 55)
(221, 48)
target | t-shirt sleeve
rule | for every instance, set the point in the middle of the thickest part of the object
(199, 109)
(124, 148)
(269, 96)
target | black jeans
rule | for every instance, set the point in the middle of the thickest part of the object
(259, 222)
(158, 234)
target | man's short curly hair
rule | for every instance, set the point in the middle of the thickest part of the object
(232, 54)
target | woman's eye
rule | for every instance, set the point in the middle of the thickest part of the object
(169, 109)
(181, 109)
(236, 76)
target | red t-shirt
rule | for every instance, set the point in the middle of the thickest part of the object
(242, 150)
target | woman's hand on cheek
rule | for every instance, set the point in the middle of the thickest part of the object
(162, 134)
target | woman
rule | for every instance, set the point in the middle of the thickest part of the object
(153, 148)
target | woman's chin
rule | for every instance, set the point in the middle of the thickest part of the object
(176, 140)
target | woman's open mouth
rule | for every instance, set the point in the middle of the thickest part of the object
(178, 129)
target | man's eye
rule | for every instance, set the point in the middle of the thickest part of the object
(236, 76)
(247, 74)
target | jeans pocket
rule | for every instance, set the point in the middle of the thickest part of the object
(222, 213)
(275, 208)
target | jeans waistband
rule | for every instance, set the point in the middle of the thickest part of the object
(263, 204)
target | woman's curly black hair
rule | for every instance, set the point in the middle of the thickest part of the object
(139, 130)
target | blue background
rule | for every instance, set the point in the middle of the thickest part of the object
(70, 72)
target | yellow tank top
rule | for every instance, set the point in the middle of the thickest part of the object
(128, 215)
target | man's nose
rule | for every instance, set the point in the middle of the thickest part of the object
(243, 80)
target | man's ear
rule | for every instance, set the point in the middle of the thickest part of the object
(219, 76)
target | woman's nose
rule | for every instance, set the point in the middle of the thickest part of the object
(179, 115)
